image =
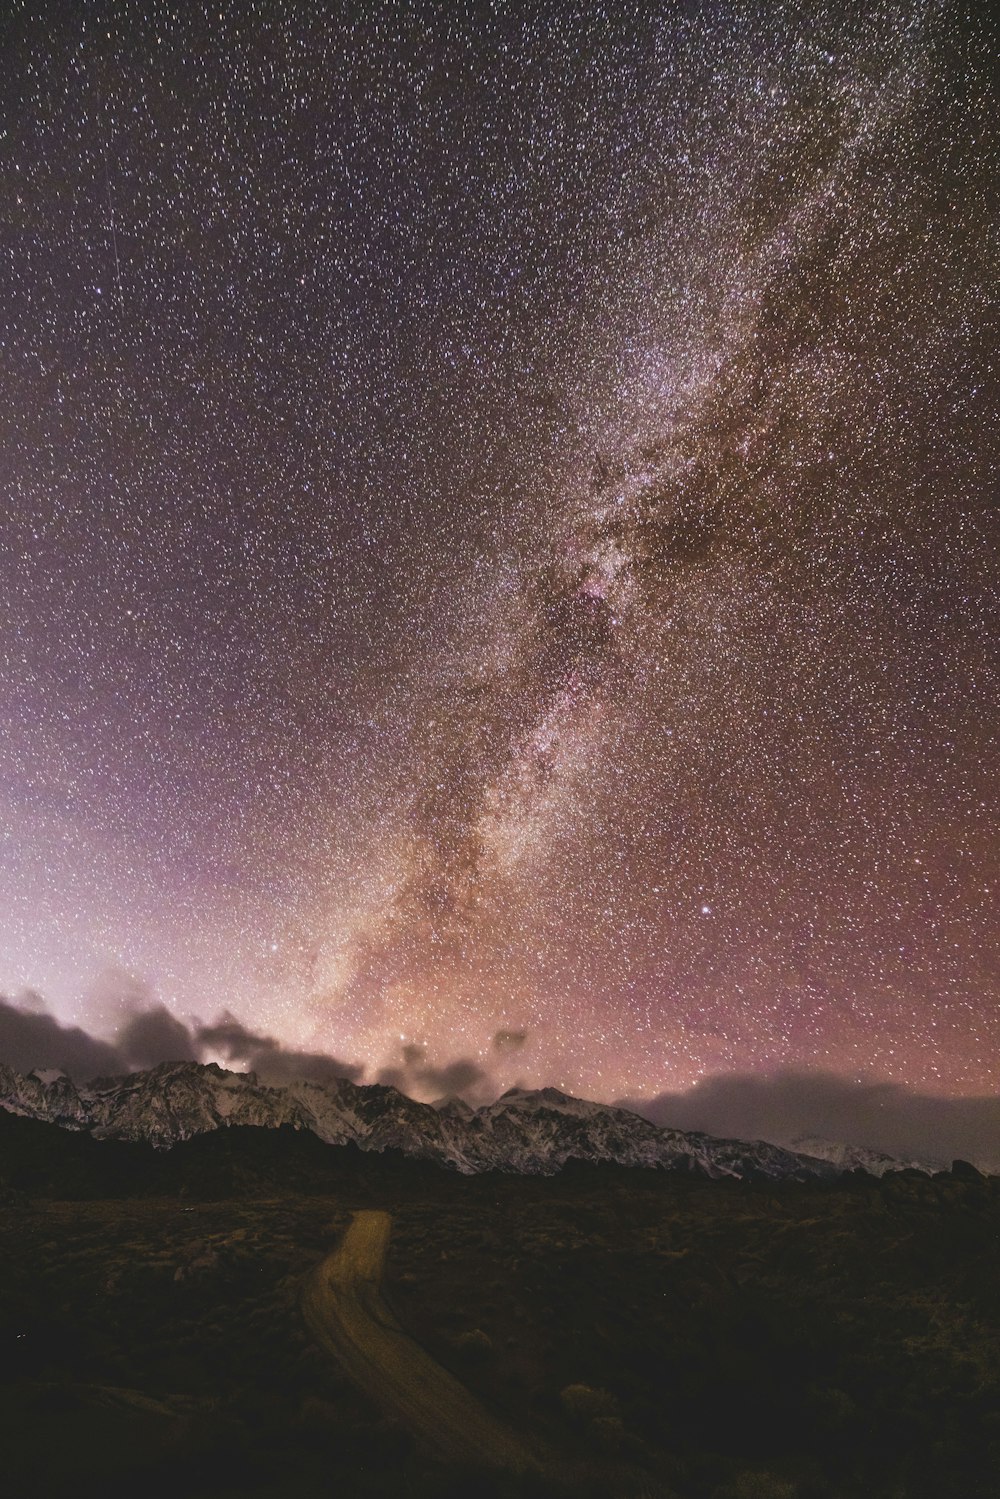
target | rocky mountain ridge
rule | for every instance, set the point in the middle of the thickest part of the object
(524, 1131)
(860, 1157)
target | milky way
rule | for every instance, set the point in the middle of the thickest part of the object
(498, 560)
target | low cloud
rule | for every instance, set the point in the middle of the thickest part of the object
(147, 1034)
(31, 1038)
(391, 1077)
(154, 1035)
(272, 1062)
(786, 1106)
(462, 1077)
(459, 1077)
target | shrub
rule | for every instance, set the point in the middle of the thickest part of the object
(584, 1403)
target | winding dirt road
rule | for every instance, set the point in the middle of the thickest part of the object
(345, 1312)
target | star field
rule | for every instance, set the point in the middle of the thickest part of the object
(498, 551)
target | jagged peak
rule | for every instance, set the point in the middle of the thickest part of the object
(525, 1130)
(453, 1107)
(190, 1068)
(851, 1157)
(530, 1100)
(49, 1075)
(546, 1095)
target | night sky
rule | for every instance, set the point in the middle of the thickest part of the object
(498, 551)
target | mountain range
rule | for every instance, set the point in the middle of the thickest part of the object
(530, 1132)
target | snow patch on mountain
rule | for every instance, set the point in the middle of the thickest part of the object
(860, 1157)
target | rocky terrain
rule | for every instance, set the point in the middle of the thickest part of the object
(527, 1132)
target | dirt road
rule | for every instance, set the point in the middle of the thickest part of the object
(345, 1312)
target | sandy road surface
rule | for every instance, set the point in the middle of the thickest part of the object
(346, 1314)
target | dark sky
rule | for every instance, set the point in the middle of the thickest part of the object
(498, 556)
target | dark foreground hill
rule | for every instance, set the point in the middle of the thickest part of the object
(38, 1159)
